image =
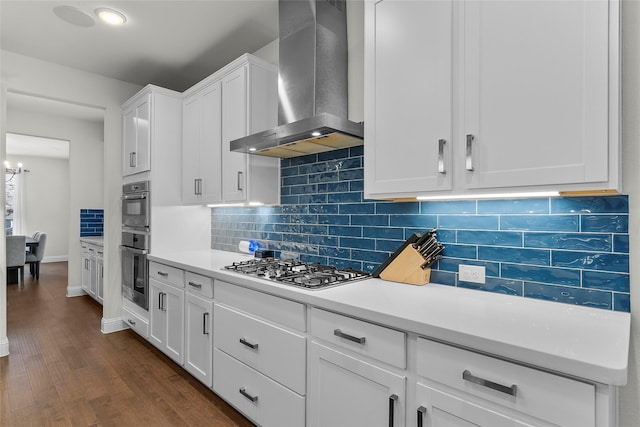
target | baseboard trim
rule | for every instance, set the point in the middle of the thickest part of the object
(112, 325)
(56, 258)
(74, 291)
(4, 347)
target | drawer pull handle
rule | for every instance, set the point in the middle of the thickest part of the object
(339, 333)
(422, 411)
(163, 274)
(131, 322)
(441, 143)
(195, 285)
(243, 392)
(392, 406)
(469, 159)
(205, 323)
(248, 344)
(510, 390)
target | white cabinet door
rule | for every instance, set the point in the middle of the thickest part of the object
(157, 316)
(535, 80)
(166, 312)
(346, 391)
(93, 267)
(173, 305)
(409, 123)
(234, 126)
(493, 95)
(191, 138)
(436, 408)
(100, 277)
(86, 269)
(198, 339)
(201, 146)
(136, 153)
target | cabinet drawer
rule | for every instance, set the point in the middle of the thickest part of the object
(262, 400)
(378, 342)
(164, 273)
(276, 352)
(553, 398)
(279, 310)
(198, 284)
(135, 322)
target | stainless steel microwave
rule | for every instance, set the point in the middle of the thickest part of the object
(136, 206)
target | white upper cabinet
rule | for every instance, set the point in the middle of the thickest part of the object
(409, 127)
(151, 129)
(136, 152)
(239, 99)
(475, 97)
(201, 142)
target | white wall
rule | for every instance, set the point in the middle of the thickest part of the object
(30, 76)
(630, 12)
(85, 182)
(46, 202)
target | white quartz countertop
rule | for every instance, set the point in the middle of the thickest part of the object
(94, 240)
(579, 341)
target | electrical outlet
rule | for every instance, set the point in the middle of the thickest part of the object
(471, 273)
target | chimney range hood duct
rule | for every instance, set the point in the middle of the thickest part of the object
(312, 84)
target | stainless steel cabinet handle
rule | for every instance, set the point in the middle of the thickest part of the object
(205, 322)
(421, 413)
(197, 186)
(392, 406)
(441, 143)
(132, 159)
(469, 163)
(510, 390)
(248, 344)
(195, 285)
(339, 333)
(243, 392)
(163, 274)
(132, 322)
(160, 301)
(240, 180)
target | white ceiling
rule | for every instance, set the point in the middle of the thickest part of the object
(173, 44)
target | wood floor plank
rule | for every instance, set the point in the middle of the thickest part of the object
(62, 371)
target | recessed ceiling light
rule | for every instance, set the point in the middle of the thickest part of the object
(110, 16)
(74, 16)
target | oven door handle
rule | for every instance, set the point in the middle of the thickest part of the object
(134, 197)
(134, 250)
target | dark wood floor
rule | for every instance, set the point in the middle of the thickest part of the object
(63, 371)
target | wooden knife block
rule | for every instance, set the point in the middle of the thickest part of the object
(405, 268)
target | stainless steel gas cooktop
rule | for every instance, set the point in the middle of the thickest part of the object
(292, 272)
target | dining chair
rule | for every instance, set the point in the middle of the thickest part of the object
(16, 256)
(34, 258)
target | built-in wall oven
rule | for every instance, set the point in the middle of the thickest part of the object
(135, 242)
(136, 206)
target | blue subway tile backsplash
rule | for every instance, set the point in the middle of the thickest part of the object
(91, 222)
(573, 250)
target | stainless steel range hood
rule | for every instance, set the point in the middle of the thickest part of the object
(312, 84)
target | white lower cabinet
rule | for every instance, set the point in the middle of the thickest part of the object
(283, 363)
(347, 391)
(166, 316)
(199, 327)
(462, 388)
(259, 361)
(349, 382)
(92, 270)
(261, 399)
